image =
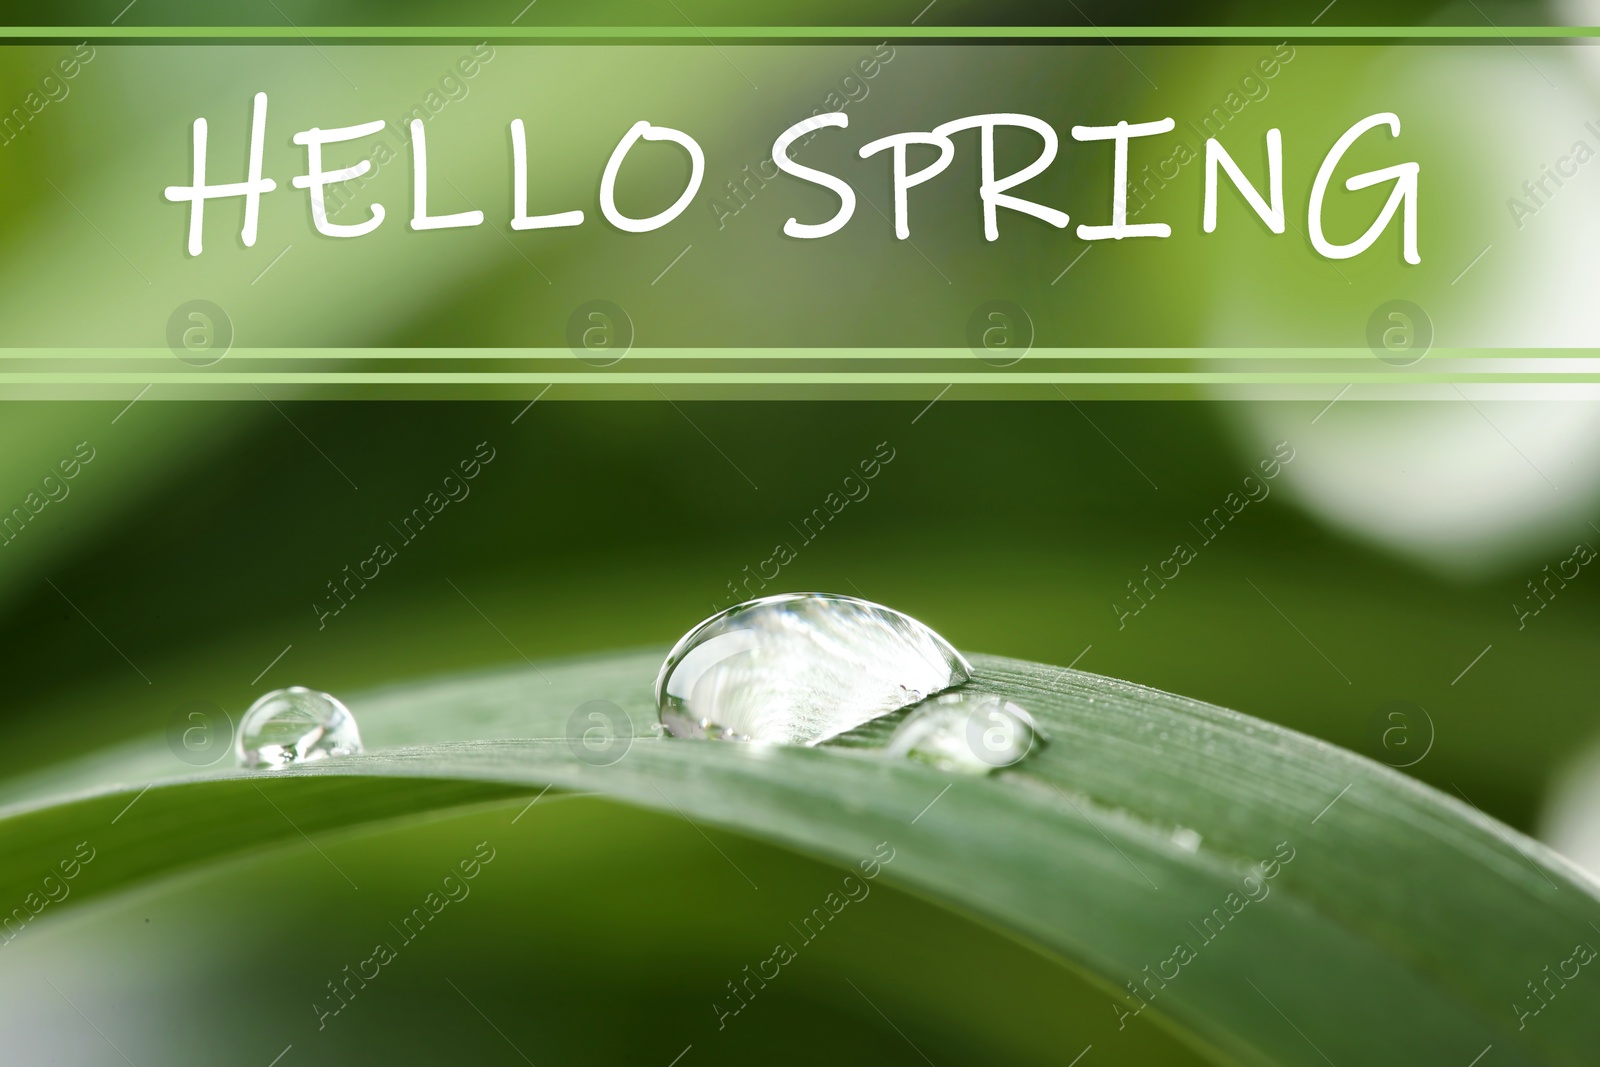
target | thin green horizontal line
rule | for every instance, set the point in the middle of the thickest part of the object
(793, 378)
(729, 33)
(690, 354)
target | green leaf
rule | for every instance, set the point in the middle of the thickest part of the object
(1333, 910)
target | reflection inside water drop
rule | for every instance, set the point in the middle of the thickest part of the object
(295, 725)
(800, 668)
(966, 733)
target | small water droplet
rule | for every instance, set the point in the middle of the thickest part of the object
(800, 668)
(295, 725)
(1186, 839)
(966, 733)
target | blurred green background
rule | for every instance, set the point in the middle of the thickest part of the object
(185, 560)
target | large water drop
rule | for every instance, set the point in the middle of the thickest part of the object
(800, 668)
(295, 725)
(966, 733)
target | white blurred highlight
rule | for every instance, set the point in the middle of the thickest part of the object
(1570, 821)
(1466, 488)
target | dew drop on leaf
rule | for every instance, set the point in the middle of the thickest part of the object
(966, 733)
(800, 668)
(295, 725)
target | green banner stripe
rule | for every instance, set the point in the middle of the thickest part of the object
(1206, 355)
(802, 377)
(790, 33)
